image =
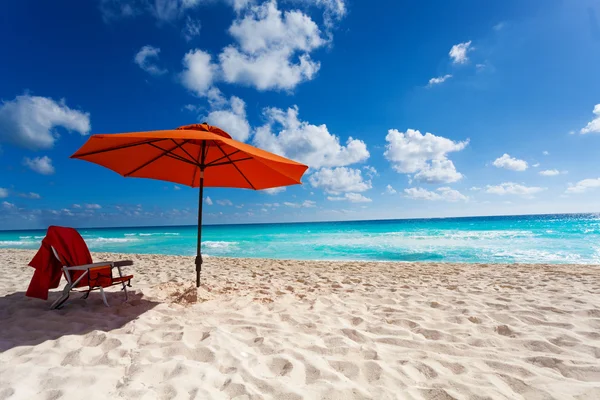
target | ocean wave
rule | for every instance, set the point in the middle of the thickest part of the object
(218, 244)
(542, 256)
(466, 235)
(159, 234)
(15, 242)
(24, 237)
(111, 240)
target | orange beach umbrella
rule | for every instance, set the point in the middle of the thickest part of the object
(196, 155)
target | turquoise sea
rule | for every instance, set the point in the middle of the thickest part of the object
(573, 238)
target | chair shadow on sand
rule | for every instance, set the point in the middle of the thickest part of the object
(28, 322)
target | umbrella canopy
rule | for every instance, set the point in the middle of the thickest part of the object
(196, 155)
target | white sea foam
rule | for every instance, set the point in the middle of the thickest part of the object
(24, 237)
(111, 240)
(160, 234)
(10, 243)
(218, 244)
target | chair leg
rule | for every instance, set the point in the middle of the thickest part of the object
(125, 290)
(63, 297)
(103, 296)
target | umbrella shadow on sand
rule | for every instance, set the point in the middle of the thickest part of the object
(28, 322)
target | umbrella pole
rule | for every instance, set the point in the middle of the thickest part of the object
(199, 249)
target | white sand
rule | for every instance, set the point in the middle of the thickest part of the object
(307, 330)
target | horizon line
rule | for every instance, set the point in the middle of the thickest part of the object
(316, 222)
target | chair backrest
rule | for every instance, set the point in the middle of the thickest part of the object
(70, 249)
(68, 246)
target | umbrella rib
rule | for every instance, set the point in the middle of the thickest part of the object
(235, 166)
(229, 162)
(144, 165)
(204, 153)
(172, 155)
(197, 164)
(221, 158)
(91, 153)
(180, 145)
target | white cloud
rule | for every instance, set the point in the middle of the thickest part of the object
(273, 50)
(334, 10)
(8, 206)
(267, 70)
(3, 193)
(240, 5)
(93, 206)
(266, 27)
(536, 165)
(208, 201)
(191, 29)
(199, 72)
(162, 10)
(458, 52)
(594, 125)
(511, 163)
(76, 206)
(351, 197)
(232, 120)
(274, 191)
(339, 180)
(584, 185)
(549, 172)
(370, 171)
(29, 121)
(304, 204)
(441, 194)
(438, 171)
(224, 202)
(310, 144)
(499, 26)
(146, 58)
(438, 80)
(175, 187)
(390, 190)
(425, 155)
(116, 9)
(41, 165)
(546, 153)
(30, 195)
(510, 188)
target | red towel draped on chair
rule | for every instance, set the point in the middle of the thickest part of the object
(72, 251)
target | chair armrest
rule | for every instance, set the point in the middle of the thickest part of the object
(123, 263)
(88, 266)
(112, 264)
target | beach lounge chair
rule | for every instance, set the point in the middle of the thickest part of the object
(64, 252)
(88, 277)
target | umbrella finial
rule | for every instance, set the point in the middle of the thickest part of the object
(204, 127)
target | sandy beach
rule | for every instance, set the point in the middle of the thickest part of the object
(307, 330)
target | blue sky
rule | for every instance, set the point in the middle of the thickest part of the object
(408, 109)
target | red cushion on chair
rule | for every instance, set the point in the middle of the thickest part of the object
(99, 276)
